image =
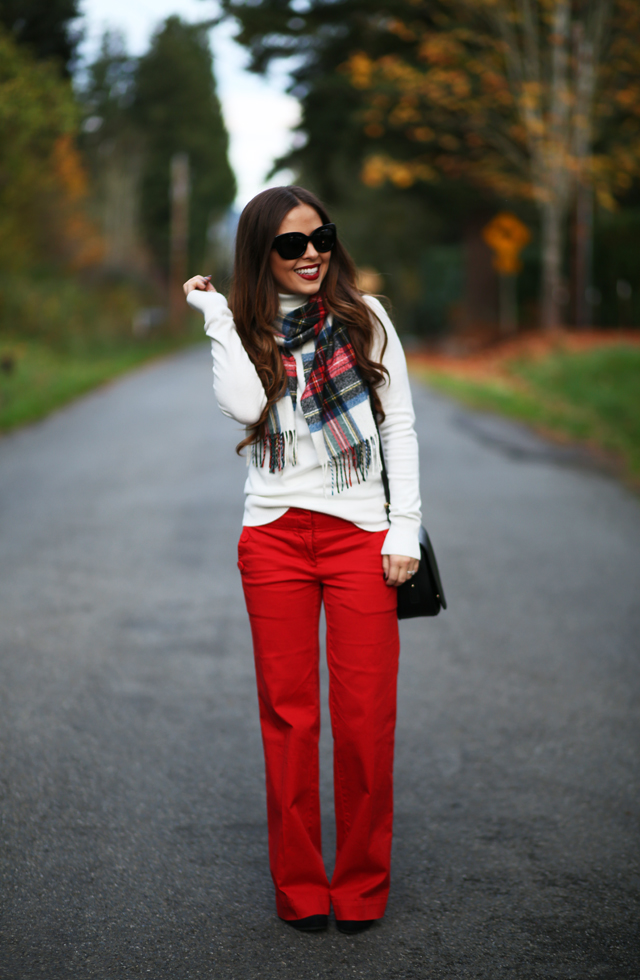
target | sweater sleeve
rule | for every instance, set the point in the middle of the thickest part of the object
(399, 441)
(236, 383)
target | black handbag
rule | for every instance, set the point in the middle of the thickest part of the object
(422, 594)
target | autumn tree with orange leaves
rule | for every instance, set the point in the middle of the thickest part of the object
(536, 99)
(43, 183)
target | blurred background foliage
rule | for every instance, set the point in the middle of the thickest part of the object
(421, 122)
(140, 113)
(85, 212)
(45, 27)
(412, 130)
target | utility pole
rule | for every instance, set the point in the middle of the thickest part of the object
(179, 236)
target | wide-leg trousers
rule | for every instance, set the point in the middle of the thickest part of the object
(289, 568)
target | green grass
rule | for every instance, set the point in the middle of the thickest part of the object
(60, 336)
(588, 396)
(43, 379)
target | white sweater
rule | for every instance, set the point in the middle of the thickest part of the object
(240, 395)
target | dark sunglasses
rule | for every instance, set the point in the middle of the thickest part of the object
(294, 243)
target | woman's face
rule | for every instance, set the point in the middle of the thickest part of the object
(303, 275)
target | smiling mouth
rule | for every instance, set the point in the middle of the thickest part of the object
(308, 272)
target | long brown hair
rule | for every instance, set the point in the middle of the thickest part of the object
(254, 297)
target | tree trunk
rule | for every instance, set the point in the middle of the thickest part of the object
(120, 169)
(552, 292)
(508, 306)
(179, 236)
(583, 255)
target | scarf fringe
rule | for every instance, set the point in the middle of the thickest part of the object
(281, 446)
(338, 471)
(358, 460)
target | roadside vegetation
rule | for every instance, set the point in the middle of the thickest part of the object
(36, 379)
(60, 338)
(580, 388)
(87, 288)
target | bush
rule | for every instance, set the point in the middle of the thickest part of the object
(66, 314)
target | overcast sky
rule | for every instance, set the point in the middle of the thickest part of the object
(258, 113)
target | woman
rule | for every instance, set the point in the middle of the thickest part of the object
(307, 363)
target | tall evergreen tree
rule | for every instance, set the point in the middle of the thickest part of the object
(176, 108)
(45, 26)
(108, 90)
(388, 228)
(319, 36)
(113, 149)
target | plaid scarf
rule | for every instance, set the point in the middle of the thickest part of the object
(335, 401)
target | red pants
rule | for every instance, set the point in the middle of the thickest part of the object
(288, 568)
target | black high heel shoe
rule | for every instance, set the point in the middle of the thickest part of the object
(351, 927)
(311, 923)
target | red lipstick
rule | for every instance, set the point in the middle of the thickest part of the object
(308, 277)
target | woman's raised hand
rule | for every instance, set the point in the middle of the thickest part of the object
(198, 282)
(398, 568)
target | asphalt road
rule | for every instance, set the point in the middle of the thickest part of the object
(133, 814)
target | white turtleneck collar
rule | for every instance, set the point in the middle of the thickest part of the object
(291, 301)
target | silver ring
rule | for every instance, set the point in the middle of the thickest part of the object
(411, 573)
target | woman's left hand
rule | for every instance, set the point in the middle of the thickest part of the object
(398, 568)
